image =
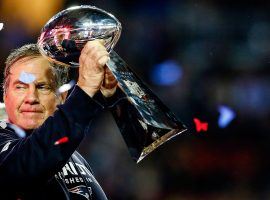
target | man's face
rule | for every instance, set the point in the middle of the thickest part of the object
(30, 96)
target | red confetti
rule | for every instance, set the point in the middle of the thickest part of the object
(61, 141)
(200, 126)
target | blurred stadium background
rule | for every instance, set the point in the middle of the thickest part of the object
(205, 59)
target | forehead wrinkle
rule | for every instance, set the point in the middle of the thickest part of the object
(22, 60)
(30, 69)
(28, 73)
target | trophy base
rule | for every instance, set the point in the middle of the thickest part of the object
(147, 150)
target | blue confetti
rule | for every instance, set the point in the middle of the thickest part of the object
(168, 72)
(226, 116)
(27, 77)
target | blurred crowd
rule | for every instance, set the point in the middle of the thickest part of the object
(196, 56)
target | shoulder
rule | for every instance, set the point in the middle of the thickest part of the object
(7, 136)
(77, 157)
(7, 131)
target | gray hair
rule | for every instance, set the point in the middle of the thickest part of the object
(60, 72)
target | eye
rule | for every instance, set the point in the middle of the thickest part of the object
(20, 87)
(44, 87)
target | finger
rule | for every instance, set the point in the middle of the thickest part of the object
(86, 47)
(101, 41)
(95, 57)
(108, 72)
(109, 77)
(101, 53)
(109, 84)
(103, 60)
(107, 92)
(94, 45)
(91, 44)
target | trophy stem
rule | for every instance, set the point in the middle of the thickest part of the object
(152, 122)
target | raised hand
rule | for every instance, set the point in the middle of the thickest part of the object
(92, 61)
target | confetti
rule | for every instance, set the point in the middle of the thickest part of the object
(66, 87)
(3, 124)
(226, 116)
(61, 141)
(1, 26)
(27, 77)
(200, 126)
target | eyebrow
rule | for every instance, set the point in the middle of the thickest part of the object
(19, 82)
(35, 82)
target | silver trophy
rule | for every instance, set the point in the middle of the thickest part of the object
(150, 122)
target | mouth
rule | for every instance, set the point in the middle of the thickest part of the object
(31, 111)
(26, 115)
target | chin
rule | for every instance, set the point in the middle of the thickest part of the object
(30, 125)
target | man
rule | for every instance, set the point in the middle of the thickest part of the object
(43, 164)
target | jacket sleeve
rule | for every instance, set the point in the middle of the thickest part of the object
(40, 155)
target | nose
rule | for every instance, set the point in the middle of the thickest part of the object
(31, 96)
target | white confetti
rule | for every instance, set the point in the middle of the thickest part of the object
(66, 87)
(1, 26)
(27, 78)
(3, 124)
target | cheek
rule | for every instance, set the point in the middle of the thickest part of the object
(50, 104)
(12, 103)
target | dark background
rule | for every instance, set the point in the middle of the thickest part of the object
(213, 53)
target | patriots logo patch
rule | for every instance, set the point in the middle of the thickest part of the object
(82, 190)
